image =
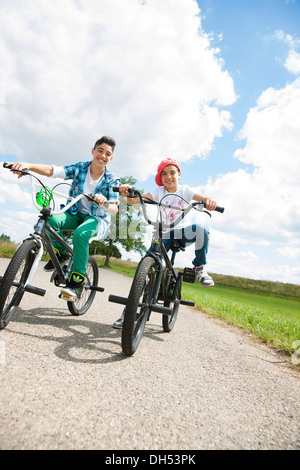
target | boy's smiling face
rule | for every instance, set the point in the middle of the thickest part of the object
(169, 177)
(102, 154)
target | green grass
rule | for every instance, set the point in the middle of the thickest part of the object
(270, 303)
(118, 265)
(7, 249)
(274, 318)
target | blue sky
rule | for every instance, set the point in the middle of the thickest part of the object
(244, 32)
(213, 83)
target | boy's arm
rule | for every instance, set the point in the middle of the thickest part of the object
(132, 200)
(209, 203)
(39, 168)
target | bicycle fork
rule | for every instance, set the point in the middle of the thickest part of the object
(27, 286)
(153, 306)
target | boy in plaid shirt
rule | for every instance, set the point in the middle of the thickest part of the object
(86, 219)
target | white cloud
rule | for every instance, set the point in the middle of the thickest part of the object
(13, 190)
(144, 73)
(18, 226)
(292, 62)
(262, 205)
(265, 200)
(18, 215)
(290, 252)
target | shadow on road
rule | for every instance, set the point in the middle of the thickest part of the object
(81, 340)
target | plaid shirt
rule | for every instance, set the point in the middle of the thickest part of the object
(77, 173)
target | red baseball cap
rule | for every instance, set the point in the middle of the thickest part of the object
(161, 166)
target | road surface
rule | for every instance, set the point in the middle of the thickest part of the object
(65, 383)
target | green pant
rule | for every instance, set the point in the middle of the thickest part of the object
(85, 227)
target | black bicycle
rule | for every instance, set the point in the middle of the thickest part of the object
(21, 270)
(156, 286)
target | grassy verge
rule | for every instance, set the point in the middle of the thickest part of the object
(274, 318)
(121, 266)
(7, 249)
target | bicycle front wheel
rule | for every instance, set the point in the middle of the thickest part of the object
(168, 321)
(14, 279)
(138, 306)
(86, 296)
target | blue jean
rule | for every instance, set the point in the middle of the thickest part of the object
(195, 233)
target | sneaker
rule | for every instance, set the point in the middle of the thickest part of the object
(201, 275)
(69, 294)
(62, 260)
(118, 324)
(73, 287)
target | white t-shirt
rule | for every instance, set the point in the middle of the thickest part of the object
(88, 188)
(180, 198)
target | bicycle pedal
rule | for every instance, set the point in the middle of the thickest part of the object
(68, 298)
(188, 275)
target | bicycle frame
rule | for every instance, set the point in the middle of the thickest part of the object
(42, 239)
(40, 232)
(159, 252)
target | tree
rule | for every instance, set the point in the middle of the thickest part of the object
(126, 229)
(100, 248)
(4, 238)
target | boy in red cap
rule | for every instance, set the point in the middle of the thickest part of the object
(175, 194)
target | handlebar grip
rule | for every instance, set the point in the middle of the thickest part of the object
(130, 190)
(8, 166)
(220, 209)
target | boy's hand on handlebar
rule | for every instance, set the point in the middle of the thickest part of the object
(124, 189)
(100, 199)
(20, 167)
(210, 204)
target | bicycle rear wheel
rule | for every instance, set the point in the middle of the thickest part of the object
(86, 296)
(168, 321)
(138, 305)
(13, 281)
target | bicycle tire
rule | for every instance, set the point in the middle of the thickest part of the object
(86, 297)
(168, 321)
(136, 315)
(16, 272)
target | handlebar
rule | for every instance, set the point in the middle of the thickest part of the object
(8, 166)
(33, 184)
(134, 193)
(184, 211)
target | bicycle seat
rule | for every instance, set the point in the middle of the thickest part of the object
(177, 246)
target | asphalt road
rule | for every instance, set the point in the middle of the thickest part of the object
(65, 383)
